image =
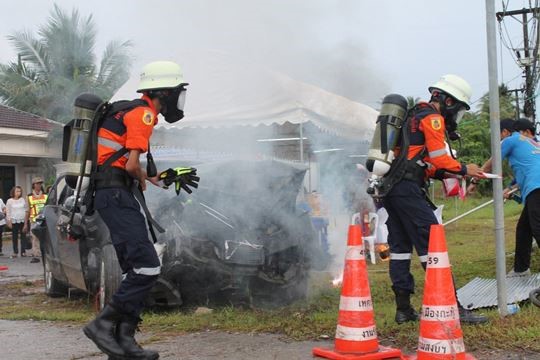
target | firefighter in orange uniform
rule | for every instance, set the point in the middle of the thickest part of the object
(122, 137)
(409, 210)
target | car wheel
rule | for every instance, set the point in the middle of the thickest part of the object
(535, 297)
(110, 275)
(266, 294)
(53, 287)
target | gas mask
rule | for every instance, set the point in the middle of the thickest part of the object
(452, 116)
(172, 103)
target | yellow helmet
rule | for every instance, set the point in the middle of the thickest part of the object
(160, 75)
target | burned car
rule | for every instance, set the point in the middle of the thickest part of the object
(240, 238)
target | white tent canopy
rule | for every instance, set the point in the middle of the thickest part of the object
(226, 92)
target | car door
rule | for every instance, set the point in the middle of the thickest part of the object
(64, 249)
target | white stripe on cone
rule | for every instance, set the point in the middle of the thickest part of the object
(356, 334)
(438, 260)
(441, 347)
(349, 303)
(355, 253)
(440, 312)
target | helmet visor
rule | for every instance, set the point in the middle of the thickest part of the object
(459, 115)
(181, 102)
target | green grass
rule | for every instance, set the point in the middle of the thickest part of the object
(472, 253)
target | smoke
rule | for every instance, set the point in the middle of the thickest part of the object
(246, 61)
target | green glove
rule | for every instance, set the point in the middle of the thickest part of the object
(182, 177)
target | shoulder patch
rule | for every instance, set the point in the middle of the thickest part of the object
(147, 118)
(436, 124)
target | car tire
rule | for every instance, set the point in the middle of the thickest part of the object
(535, 297)
(53, 287)
(110, 275)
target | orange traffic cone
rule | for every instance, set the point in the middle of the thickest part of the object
(356, 335)
(440, 330)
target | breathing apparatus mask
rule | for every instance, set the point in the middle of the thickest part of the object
(452, 113)
(172, 102)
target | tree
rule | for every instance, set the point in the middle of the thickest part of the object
(475, 128)
(412, 101)
(58, 64)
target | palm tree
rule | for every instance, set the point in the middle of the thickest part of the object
(58, 64)
(412, 101)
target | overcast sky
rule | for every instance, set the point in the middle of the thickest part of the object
(357, 48)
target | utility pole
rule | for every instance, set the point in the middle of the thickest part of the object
(516, 91)
(494, 115)
(527, 61)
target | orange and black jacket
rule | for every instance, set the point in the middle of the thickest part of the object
(427, 139)
(130, 129)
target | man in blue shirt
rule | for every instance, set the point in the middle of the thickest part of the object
(523, 154)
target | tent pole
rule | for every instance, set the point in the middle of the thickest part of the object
(302, 143)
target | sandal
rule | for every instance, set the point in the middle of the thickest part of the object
(23, 255)
(14, 256)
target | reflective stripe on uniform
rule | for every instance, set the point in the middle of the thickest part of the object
(111, 144)
(148, 271)
(423, 258)
(401, 256)
(436, 153)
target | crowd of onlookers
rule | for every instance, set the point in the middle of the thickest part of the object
(18, 215)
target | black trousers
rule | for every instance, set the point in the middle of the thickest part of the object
(409, 220)
(528, 226)
(1, 233)
(135, 251)
(16, 230)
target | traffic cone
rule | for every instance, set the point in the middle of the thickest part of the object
(356, 335)
(440, 330)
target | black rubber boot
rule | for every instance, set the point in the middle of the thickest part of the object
(404, 310)
(469, 317)
(125, 334)
(101, 331)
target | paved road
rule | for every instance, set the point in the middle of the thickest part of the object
(19, 269)
(34, 340)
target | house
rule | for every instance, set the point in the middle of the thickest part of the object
(24, 148)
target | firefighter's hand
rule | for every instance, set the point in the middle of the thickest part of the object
(154, 180)
(472, 186)
(474, 170)
(506, 193)
(471, 189)
(142, 179)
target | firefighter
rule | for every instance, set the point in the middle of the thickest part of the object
(36, 201)
(122, 137)
(410, 211)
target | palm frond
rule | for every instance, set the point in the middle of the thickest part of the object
(70, 41)
(115, 64)
(31, 51)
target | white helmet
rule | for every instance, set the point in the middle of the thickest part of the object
(454, 86)
(160, 75)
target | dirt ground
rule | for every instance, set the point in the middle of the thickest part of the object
(34, 340)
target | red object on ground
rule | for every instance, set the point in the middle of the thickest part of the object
(440, 337)
(3, 268)
(356, 334)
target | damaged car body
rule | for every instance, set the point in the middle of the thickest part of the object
(239, 239)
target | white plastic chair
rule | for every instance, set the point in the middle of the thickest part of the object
(369, 240)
